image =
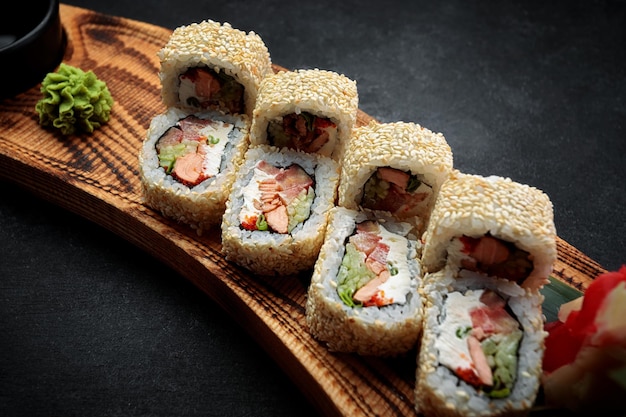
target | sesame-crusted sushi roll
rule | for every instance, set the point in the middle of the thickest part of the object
(363, 295)
(492, 226)
(310, 110)
(188, 163)
(395, 167)
(209, 65)
(277, 211)
(481, 348)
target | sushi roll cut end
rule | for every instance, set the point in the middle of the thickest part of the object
(188, 163)
(276, 213)
(396, 168)
(492, 226)
(308, 110)
(481, 348)
(365, 304)
(213, 66)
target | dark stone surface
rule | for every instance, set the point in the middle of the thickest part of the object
(532, 90)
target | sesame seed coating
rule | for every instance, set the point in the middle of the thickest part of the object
(309, 87)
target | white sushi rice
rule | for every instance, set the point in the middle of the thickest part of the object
(203, 205)
(269, 253)
(438, 390)
(378, 331)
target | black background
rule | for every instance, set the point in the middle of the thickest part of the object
(531, 90)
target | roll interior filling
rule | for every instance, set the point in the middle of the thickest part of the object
(399, 192)
(374, 270)
(303, 131)
(192, 150)
(478, 340)
(492, 256)
(205, 88)
(277, 199)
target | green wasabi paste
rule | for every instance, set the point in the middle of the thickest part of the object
(73, 101)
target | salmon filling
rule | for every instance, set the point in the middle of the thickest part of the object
(277, 199)
(204, 88)
(402, 194)
(303, 131)
(495, 257)
(479, 340)
(192, 150)
(374, 270)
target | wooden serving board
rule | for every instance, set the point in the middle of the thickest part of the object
(97, 177)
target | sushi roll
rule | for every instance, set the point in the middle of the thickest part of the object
(364, 293)
(277, 211)
(309, 110)
(481, 348)
(493, 226)
(213, 66)
(394, 167)
(188, 163)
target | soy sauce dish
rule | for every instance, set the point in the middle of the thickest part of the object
(32, 43)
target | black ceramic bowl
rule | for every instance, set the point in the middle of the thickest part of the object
(32, 43)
